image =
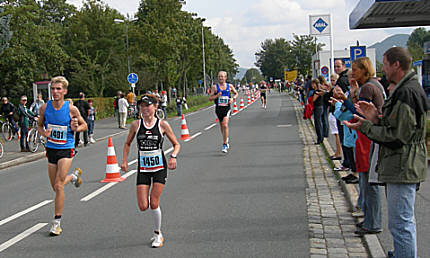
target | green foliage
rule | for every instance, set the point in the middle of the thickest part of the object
(252, 75)
(279, 54)
(52, 37)
(34, 49)
(5, 33)
(416, 43)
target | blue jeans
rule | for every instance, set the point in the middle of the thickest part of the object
(371, 203)
(401, 221)
(23, 140)
(90, 127)
(325, 121)
(164, 111)
(179, 109)
(318, 119)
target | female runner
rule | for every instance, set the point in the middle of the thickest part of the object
(152, 166)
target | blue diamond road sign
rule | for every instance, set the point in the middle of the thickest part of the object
(320, 25)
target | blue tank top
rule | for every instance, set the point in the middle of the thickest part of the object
(59, 121)
(225, 95)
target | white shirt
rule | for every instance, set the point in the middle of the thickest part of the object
(122, 105)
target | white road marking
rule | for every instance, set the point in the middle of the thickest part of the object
(192, 137)
(281, 126)
(109, 185)
(105, 187)
(209, 127)
(21, 213)
(21, 236)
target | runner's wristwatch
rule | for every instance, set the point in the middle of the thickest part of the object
(173, 156)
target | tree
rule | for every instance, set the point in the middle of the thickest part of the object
(97, 55)
(252, 75)
(416, 42)
(34, 49)
(274, 57)
(5, 33)
(279, 54)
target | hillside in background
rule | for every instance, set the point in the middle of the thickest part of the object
(241, 73)
(398, 40)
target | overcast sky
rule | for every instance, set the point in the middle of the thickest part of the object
(245, 24)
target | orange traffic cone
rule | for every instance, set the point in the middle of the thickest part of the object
(112, 168)
(242, 106)
(235, 107)
(249, 100)
(252, 97)
(185, 134)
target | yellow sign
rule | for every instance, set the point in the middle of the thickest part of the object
(290, 75)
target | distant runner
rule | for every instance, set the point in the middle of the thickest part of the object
(263, 97)
(152, 166)
(58, 118)
(220, 94)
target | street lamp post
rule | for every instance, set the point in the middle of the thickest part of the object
(203, 53)
(126, 38)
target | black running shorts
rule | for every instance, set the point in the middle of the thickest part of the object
(222, 112)
(54, 155)
(145, 178)
(263, 95)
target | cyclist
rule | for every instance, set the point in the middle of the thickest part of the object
(8, 109)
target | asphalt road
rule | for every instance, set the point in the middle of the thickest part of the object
(247, 203)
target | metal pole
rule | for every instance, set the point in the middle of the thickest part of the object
(204, 64)
(331, 48)
(128, 56)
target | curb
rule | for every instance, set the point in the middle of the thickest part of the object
(374, 247)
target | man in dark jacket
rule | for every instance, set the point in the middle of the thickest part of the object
(83, 107)
(401, 133)
(7, 110)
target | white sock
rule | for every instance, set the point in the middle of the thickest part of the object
(74, 178)
(157, 219)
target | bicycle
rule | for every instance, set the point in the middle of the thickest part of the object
(7, 130)
(34, 138)
(1, 148)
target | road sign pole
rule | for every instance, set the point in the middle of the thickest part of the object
(331, 48)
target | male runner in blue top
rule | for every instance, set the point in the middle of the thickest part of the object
(220, 94)
(58, 118)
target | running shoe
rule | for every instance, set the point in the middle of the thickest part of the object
(348, 177)
(157, 240)
(55, 228)
(341, 168)
(78, 181)
(224, 148)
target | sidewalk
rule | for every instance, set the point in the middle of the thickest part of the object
(330, 202)
(13, 156)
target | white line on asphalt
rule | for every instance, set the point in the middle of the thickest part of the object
(209, 127)
(109, 185)
(192, 137)
(287, 125)
(19, 214)
(21, 236)
(105, 187)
